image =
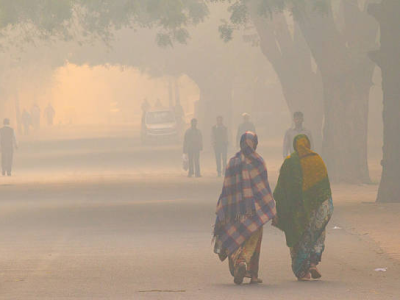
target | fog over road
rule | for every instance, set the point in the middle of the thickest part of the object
(82, 220)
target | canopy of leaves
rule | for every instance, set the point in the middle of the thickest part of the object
(84, 19)
(240, 11)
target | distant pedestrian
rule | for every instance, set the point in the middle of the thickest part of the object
(7, 144)
(26, 121)
(245, 126)
(36, 114)
(192, 146)
(220, 144)
(298, 119)
(245, 205)
(50, 114)
(304, 205)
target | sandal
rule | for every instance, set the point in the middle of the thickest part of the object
(315, 274)
(240, 273)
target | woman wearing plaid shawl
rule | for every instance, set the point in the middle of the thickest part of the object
(245, 205)
(304, 204)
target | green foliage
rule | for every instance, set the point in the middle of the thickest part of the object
(226, 31)
(85, 19)
(240, 11)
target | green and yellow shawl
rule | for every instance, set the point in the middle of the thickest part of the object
(303, 185)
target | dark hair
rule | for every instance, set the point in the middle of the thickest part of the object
(298, 114)
(6, 121)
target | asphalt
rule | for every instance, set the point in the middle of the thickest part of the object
(90, 228)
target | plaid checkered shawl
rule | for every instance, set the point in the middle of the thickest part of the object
(246, 202)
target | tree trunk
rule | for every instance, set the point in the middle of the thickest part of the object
(346, 75)
(291, 59)
(345, 132)
(215, 100)
(388, 59)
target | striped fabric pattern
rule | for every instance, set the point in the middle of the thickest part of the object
(246, 202)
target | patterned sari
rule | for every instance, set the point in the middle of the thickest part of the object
(245, 205)
(304, 205)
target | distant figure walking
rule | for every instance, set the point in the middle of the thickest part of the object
(291, 133)
(36, 114)
(246, 125)
(7, 144)
(50, 114)
(245, 205)
(26, 121)
(220, 143)
(192, 146)
(304, 205)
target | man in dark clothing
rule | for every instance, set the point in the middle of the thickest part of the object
(192, 146)
(220, 142)
(7, 144)
(244, 127)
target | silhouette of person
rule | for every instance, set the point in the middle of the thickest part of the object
(291, 133)
(247, 125)
(219, 140)
(7, 144)
(192, 146)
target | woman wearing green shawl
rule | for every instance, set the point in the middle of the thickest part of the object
(304, 207)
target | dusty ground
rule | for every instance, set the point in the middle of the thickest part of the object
(109, 219)
(375, 221)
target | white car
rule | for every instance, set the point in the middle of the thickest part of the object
(159, 124)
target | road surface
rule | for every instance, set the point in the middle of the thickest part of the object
(91, 222)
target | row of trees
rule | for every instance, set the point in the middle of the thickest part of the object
(337, 40)
(345, 68)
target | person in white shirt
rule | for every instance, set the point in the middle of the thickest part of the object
(291, 133)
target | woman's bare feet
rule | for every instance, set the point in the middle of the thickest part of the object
(240, 273)
(306, 277)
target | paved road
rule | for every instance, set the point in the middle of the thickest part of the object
(127, 235)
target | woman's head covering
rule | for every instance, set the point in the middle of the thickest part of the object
(246, 201)
(302, 145)
(248, 142)
(303, 185)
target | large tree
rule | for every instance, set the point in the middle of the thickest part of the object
(346, 70)
(288, 53)
(388, 59)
